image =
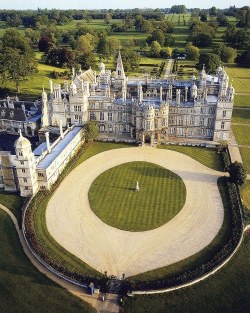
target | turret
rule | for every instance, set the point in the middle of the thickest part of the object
(25, 167)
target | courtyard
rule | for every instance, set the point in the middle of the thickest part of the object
(73, 224)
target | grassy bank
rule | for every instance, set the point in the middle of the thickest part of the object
(207, 157)
(227, 291)
(23, 288)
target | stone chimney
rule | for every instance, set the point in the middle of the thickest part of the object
(47, 142)
(61, 129)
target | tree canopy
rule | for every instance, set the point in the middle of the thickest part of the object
(237, 173)
(17, 59)
(211, 62)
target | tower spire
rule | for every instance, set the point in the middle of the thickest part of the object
(119, 67)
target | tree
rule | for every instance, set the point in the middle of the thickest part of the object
(237, 173)
(192, 52)
(178, 9)
(61, 57)
(227, 54)
(44, 44)
(244, 59)
(91, 131)
(155, 49)
(238, 39)
(202, 40)
(131, 60)
(243, 17)
(17, 59)
(108, 18)
(213, 11)
(222, 20)
(85, 43)
(211, 62)
(86, 60)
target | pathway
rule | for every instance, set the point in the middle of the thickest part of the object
(111, 304)
(72, 223)
(168, 68)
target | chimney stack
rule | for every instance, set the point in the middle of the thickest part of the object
(61, 130)
(47, 142)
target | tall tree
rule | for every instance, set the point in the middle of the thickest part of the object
(17, 59)
(211, 62)
(237, 173)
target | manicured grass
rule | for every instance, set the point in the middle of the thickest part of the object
(227, 291)
(245, 193)
(242, 134)
(245, 155)
(207, 157)
(200, 258)
(240, 76)
(23, 288)
(114, 200)
(13, 203)
(241, 116)
(242, 100)
(56, 251)
(93, 148)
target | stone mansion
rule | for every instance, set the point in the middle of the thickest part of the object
(144, 109)
(137, 109)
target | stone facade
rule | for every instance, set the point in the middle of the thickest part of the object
(143, 108)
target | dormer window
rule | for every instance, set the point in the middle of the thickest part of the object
(11, 114)
(3, 113)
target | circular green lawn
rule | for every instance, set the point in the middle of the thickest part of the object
(113, 198)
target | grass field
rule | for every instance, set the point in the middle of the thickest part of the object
(13, 203)
(240, 76)
(227, 291)
(242, 134)
(241, 116)
(245, 192)
(113, 198)
(245, 154)
(207, 157)
(242, 100)
(23, 288)
(56, 251)
(34, 85)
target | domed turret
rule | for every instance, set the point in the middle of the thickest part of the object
(22, 142)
